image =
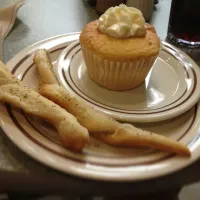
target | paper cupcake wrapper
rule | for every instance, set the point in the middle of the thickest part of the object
(116, 75)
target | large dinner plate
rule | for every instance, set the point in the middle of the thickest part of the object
(170, 89)
(97, 161)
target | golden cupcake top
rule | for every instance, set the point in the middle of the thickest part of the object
(119, 49)
(122, 22)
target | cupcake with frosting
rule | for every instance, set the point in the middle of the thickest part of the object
(119, 49)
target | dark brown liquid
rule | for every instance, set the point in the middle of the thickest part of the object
(184, 23)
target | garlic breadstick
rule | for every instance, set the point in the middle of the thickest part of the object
(44, 66)
(102, 126)
(129, 136)
(107, 129)
(13, 91)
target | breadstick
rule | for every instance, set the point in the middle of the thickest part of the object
(128, 136)
(84, 114)
(104, 127)
(44, 66)
(107, 129)
(88, 117)
(14, 92)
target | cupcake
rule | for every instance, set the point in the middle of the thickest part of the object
(119, 49)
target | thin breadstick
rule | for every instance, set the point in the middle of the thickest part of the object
(85, 113)
(44, 66)
(129, 136)
(88, 117)
(104, 127)
(107, 129)
(14, 92)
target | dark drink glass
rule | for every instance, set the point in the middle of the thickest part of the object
(184, 23)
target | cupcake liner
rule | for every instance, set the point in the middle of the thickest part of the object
(116, 75)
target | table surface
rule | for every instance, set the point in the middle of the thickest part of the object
(38, 20)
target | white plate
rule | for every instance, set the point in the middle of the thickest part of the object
(98, 161)
(170, 89)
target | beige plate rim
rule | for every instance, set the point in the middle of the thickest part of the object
(87, 170)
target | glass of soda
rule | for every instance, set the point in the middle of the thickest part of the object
(184, 23)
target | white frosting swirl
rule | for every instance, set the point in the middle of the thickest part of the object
(122, 22)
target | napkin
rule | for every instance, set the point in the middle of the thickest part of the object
(7, 20)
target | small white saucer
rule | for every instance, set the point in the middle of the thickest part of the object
(170, 89)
